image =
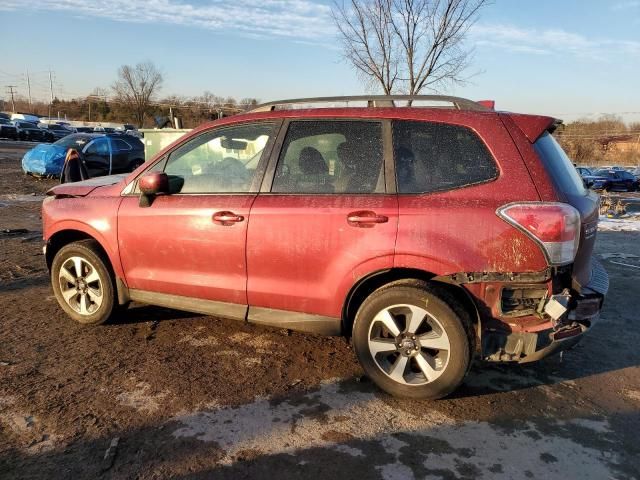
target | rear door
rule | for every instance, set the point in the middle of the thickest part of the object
(323, 219)
(97, 156)
(121, 151)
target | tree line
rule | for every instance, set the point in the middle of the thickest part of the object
(134, 98)
(605, 141)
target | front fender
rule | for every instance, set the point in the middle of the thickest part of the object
(95, 217)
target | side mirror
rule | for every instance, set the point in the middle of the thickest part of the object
(151, 185)
(156, 183)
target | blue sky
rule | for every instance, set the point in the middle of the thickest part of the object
(567, 58)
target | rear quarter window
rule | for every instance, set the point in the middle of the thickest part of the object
(559, 166)
(432, 157)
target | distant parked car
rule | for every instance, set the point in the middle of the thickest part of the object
(84, 130)
(8, 129)
(102, 154)
(30, 131)
(615, 180)
(25, 117)
(587, 176)
(100, 129)
(55, 131)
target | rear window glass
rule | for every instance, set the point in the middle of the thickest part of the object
(331, 157)
(559, 166)
(431, 157)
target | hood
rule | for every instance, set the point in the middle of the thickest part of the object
(84, 188)
(44, 159)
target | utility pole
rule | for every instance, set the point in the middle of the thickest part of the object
(13, 103)
(29, 88)
(51, 90)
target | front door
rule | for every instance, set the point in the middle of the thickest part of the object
(325, 221)
(192, 244)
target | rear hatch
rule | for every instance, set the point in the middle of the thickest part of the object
(569, 185)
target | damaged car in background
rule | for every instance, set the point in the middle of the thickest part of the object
(102, 154)
(429, 235)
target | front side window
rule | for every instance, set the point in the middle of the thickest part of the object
(220, 161)
(99, 146)
(432, 157)
(73, 141)
(331, 157)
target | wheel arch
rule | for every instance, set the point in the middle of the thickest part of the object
(368, 284)
(64, 237)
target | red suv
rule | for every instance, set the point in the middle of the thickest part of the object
(429, 235)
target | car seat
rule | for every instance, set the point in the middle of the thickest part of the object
(314, 176)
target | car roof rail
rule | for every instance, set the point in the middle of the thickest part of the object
(375, 101)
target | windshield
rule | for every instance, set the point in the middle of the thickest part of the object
(73, 141)
(559, 166)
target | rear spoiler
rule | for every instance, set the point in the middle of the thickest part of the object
(533, 126)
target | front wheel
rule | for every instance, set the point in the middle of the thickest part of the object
(82, 283)
(411, 342)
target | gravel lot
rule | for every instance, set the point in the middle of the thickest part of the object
(166, 394)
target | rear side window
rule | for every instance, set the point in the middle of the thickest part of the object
(559, 166)
(431, 157)
(331, 157)
(121, 145)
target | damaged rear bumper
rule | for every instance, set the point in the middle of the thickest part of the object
(573, 315)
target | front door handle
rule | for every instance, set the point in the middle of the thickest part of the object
(365, 219)
(227, 218)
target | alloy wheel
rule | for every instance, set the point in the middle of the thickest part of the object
(408, 344)
(80, 285)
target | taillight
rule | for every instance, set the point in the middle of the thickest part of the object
(554, 226)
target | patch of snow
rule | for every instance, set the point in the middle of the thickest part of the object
(625, 223)
(142, 399)
(442, 444)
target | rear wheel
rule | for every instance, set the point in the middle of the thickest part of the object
(82, 283)
(411, 342)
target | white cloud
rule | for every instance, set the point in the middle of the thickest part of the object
(550, 42)
(297, 19)
(627, 5)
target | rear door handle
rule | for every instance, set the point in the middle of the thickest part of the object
(227, 218)
(365, 218)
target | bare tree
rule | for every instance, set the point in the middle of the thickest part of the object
(136, 87)
(407, 45)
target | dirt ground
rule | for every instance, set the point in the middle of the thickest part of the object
(166, 394)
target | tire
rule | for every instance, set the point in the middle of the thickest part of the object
(94, 283)
(428, 373)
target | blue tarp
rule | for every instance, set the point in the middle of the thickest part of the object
(44, 159)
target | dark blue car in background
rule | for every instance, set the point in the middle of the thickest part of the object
(614, 180)
(103, 154)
